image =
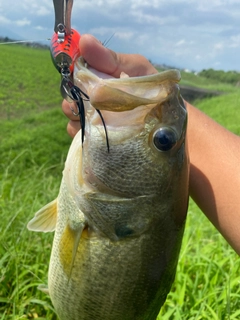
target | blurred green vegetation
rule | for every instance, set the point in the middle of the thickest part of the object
(29, 82)
(232, 77)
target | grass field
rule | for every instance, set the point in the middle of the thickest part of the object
(33, 147)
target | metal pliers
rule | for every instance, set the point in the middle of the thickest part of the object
(64, 45)
(64, 51)
(63, 10)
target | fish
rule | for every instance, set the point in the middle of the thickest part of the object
(120, 214)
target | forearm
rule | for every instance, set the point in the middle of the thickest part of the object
(215, 173)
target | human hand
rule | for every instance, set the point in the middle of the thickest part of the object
(109, 62)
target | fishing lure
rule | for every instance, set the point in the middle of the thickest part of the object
(64, 52)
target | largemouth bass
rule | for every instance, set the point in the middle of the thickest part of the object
(120, 213)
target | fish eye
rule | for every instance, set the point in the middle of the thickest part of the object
(164, 139)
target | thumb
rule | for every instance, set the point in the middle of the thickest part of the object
(112, 63)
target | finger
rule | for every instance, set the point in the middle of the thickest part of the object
(68, 108)
(107, 61)
(73, 127)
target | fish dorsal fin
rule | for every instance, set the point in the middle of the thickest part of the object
(45, 219)
(43, 288)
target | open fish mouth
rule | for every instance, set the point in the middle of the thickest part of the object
(131, 97)
(124, 93)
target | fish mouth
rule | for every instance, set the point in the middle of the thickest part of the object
(124, 93)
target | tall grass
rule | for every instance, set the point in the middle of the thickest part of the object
(207, 279)
(24, 255)
(32, 158)
(33, 147)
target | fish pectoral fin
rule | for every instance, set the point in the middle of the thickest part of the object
(76, 241)
(44, 288)
(69, 246)
(45, 219)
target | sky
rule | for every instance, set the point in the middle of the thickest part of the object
(188, 34)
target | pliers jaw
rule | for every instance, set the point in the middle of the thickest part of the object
(63, 10)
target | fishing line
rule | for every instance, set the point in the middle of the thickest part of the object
(23, 41)
(106, 42)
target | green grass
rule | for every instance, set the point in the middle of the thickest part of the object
(193, 80)
(28, 82)
(33, 147)
(224, 109)
(32, 159)
(207, 279)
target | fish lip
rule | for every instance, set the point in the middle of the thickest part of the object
(169, 75)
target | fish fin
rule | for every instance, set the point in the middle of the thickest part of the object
(77, 238)
(69, 245)
(45, 219)
(43, 288)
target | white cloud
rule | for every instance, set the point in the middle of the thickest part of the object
(180, 43)
(145, 3)
(43, 11)
(102, 31)
(112, 33)
(143, 39)
(22, 22)
(235, 41)
(127, 35)
(107, 4)
(34, 7)
(218, 46)
(144, 18)
(4, 20)
(40, 28)
(217, 63)
(206, 5)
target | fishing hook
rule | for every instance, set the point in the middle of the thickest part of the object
(76, 94)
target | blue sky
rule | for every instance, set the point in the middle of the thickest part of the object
(187, 34)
